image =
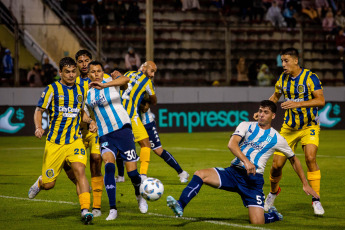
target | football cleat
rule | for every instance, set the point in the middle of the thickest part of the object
(112, 214)
(183, 177)
(175, 206)
(86, 216)
(143, 177)
(96, 212)
(318, 209)
(34, 190)
(273, 210)
(143, 207)
(120, 179)
(269, 202)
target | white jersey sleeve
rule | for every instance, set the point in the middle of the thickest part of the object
(241, 129)
(283, 147)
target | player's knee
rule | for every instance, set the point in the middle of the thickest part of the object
(48, 186)
(201, 174)
(257, 221)
(276, 168)
(310, 159)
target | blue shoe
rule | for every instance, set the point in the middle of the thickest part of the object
(175, 206)
(273, 210)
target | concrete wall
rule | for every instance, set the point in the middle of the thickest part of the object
(56, 40)
(177, 95)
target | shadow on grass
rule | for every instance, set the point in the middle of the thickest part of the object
(58, 214)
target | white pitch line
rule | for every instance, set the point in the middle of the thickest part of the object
(153, 214)
(224, 150)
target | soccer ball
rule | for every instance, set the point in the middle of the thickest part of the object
(151, 189)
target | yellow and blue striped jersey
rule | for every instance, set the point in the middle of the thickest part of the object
(298, 89)
(139, 84)
(64, 104)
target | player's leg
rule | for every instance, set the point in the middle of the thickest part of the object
(96, 175)
(120, 170)
(141, 136)
(310, 143)
(109, 182)
(257, 215)
(207, 176)
(156, 146)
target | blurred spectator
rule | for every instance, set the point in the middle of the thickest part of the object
(258, 10)
(242, 72)
(107, 69)
(340, 19)
(100, 12)
(253, 71)
(215, 83)
(34, 76)
(340, 43)
(274, 15)
(85, 13)
(265, 76)
(56, 75)
(279, 65)
(290, 16)
(321, 6)
(308, 8)
(7, 63)
(133, 14)
(245, 9)
(47, 72)
(328, 23)
(190, 4)
(119, 12)
(132, 60)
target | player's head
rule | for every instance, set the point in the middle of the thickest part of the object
(68, 71)
(96, 71)
(83, 58)
(267, 112)
(149, 68)
(289, 59)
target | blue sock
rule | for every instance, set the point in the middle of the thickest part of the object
(271, 217)
(136, 180)
(120, 167)
(190, 191)
(170, 160)
(109, 183)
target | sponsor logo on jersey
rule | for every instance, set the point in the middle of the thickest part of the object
(269, 138)
(80, 98)
(43, 94)
(105, 144)
(98, 100)
(255, 145)
(50, 173)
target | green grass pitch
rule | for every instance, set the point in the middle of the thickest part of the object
(20, 165)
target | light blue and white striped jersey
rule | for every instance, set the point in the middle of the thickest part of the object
(106, 105)
(147, 117)
(259, 144)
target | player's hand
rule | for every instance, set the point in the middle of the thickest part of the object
(115, 74)
(96, 85)
(256, 116)
(250, 167)
(39, 132)
(289, 105)
(309, 191)
(93, 127)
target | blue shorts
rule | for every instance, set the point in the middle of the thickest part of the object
(249, 187)
(121, 141)
(153, 135)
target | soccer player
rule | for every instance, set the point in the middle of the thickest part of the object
(140, 82)
(115, 132)
(303, 95)
(90, 140)
(64, 101)
(252, 143)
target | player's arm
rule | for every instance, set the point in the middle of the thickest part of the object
(39, 131)
(153, 99)
(296, 164)
(88, 120)
(317, 101)
(235, 149)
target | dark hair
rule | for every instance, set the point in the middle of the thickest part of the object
(67, 61)
(290, 51)
(269, 104)
(81, 53)
(95, 63)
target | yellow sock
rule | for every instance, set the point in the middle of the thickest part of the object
(144, 160)
(314, 179)
(97, 189)
(84, 200)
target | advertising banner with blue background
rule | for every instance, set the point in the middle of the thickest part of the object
(199, 117)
